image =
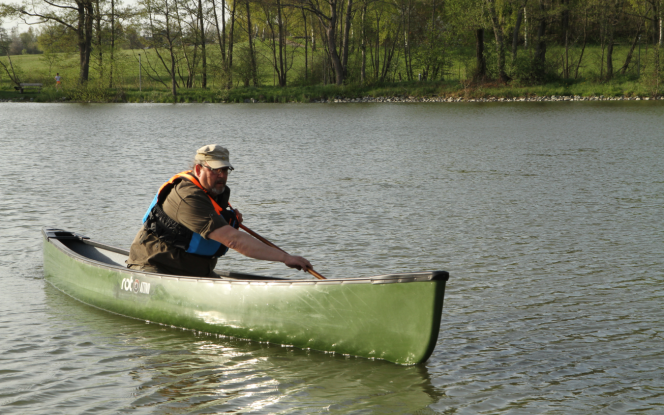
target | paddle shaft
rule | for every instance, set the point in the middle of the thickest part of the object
(268, 243)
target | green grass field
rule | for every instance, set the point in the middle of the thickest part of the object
(155, 84)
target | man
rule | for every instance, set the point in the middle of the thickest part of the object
(190, 223)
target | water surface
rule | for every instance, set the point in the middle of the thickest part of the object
(547, 215)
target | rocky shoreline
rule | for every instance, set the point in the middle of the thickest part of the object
(553, 98)
(400, 99)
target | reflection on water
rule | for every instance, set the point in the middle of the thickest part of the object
(180, 371)
(547, 215)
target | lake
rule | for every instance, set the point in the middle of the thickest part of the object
(548, 216)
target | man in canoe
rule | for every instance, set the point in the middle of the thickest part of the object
(190, 223)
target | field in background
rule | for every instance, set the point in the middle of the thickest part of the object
(154, 83)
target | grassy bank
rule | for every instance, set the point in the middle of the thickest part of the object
(440, 89)
(154, 85)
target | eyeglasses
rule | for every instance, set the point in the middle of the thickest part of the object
(221, 170)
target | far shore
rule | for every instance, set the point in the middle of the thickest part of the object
(403, 92)
(553, 98)
(368, 99)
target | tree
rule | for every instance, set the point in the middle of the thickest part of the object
(76, 15)
(163, 32)
(613, 16)
(12, 72)
(277, 18)
(330, 21)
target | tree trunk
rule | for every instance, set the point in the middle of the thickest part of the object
(220, 40)
(609, 56)
(525, 28)
(517, 27)
(611, 29)
(480, 71)
(346, 39)
(388, 54)
(609, 50)
(540, 49)
(282, 38)
(110, 77)
(583, 47)
(328, 23)
(229, 61)
(330, 32)
(432, 67)
(405, 22)
(100, 56)
(376, 60)
(84, 33)
(203, 55)
(564, 20)
(274, 39)
(252, 57)
(306, 45)
(565, 29)
(223, 31)
(628, 60)
(500, 43)
(363, 45)
(661, 25)
(172, 53)
(191, 62)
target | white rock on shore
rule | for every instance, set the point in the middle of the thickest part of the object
(552, 98)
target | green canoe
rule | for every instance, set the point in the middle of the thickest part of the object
(391, 317)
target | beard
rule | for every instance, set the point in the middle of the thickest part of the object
(216, 190)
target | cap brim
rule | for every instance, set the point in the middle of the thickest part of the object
(218, 164)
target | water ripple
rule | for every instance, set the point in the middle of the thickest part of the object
(547, 216)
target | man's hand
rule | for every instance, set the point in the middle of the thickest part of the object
(238, 215)
(297, 262)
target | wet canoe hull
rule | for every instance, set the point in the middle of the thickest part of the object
(396, 318)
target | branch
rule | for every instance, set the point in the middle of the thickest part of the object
(60, 7)
(42, 16)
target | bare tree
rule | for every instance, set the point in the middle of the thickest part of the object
(500, 39)
(517, 27)
(77, 15)
(160, 14)
(329, 20)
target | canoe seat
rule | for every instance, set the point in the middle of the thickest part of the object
(94, 253)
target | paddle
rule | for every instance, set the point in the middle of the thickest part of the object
(268, 243)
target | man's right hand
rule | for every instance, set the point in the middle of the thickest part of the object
(297, 262)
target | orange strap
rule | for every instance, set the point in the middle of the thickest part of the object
(186, 175)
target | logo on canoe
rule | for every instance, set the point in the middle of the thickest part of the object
(135, 286)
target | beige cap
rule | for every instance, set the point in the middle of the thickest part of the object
(214, 155)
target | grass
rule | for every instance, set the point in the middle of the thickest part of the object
(154, 86)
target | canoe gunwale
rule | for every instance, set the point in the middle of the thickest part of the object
(55, 236)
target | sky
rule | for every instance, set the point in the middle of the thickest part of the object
(9, 24)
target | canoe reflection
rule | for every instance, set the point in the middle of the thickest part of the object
(184, 372)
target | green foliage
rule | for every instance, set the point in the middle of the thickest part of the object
(12, 70)
(54, 38)
(93, 92)
(131, 38)
(526, 70)
(652, 72)
(29, 42)
(242, 65)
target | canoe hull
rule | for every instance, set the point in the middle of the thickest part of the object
(383, 318)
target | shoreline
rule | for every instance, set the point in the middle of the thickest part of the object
(369, 99)
(552, 98)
